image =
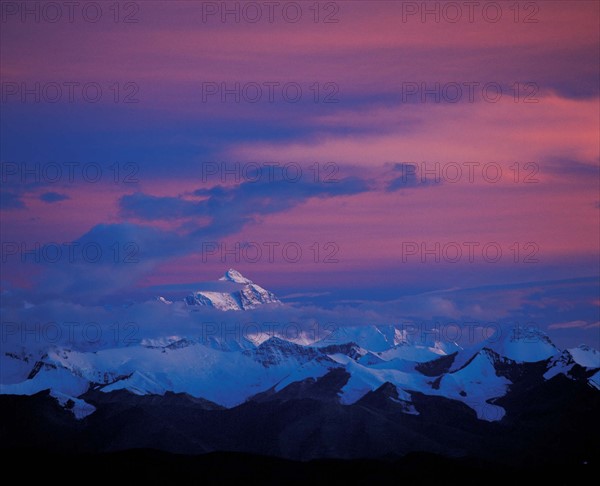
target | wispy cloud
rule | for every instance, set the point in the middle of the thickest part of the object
(575, 325)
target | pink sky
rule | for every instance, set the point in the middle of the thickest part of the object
(369, 54)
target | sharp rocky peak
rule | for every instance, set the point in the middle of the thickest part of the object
(232, 275)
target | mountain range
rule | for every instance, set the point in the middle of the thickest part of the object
(362, 391)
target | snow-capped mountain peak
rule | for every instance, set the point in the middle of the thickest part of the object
(232, 275)
(586, 356)
(232, 291)
(523, 344)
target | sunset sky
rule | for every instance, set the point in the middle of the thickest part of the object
(370, 208)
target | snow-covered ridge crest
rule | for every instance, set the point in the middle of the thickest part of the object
(232, 275)
(228, 375)
(245, 294)
(231, 369)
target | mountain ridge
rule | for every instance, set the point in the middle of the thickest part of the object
(357, 379)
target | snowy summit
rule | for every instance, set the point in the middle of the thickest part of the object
(247, 296)
(232, 275)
